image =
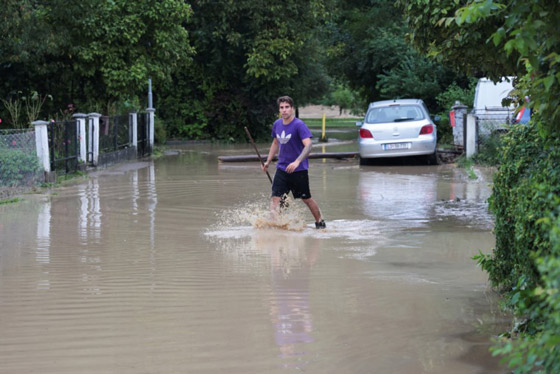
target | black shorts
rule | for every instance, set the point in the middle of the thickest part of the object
(296, 182)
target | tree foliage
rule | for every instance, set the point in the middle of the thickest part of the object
(368, 49)
(495, 39)
(91, 51)
(247, 54)
(525, 261)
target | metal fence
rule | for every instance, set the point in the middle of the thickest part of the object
(489, 123)
(63, 146)
(19, 164)
(143, 135)
(114, 133)
(58, 146)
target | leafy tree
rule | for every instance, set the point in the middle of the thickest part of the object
(446, 100)
(368, 49)
(365, 40)
(247, 54)
(92, 51)
(416, 77)
(495, 39)
(115, 46)
(21, 45)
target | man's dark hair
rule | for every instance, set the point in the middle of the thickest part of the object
(285, 99)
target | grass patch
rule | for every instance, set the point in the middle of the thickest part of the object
(467, 164)
(317, 123)
(70, 176)
(11, 201)
(158, 151)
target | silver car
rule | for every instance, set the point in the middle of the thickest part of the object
(397, 128)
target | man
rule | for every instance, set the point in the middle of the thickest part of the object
(292, 139)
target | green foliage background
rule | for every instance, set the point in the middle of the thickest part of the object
(18, 168)
(519, 38)
(216, 65)
(525, 261)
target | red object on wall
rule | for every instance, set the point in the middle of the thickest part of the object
(452, 118)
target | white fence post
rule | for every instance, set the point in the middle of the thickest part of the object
(42, 144)
(81, 124)
(151, 127)
(93, 131)
(134, 125)
(460, 112)
(471, 135)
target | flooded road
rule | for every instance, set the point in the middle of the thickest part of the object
(158, 267)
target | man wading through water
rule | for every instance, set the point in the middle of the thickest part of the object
(292, 137)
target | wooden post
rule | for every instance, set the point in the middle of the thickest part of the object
(323, 137)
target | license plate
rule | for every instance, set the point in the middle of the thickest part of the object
(392, 146)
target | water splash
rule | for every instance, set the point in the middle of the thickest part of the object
(258, 215)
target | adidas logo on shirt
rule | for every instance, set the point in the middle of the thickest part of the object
(282, 138)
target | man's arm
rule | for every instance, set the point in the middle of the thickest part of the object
(302, 156)
(273, 150)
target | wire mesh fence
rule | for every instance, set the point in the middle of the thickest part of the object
(489, 128)
(19, 164)
(488, 123)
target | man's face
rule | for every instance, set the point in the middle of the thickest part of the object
(286, 110)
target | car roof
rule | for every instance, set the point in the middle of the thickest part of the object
(396, 101)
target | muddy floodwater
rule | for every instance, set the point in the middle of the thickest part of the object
(164, 266)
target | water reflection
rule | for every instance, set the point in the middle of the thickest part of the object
(91, 274)
(399, 197)
(152, 202)
(44, 233)
(290, 256)
(415, 199)
(43, 251)
(135, 192)
(90, 211)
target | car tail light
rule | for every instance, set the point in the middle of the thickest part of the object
(427, 129)
(365, 134)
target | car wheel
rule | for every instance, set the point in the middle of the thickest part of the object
(432, 159)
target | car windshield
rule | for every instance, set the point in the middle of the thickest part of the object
(394, 113)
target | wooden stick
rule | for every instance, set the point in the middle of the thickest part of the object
(258, 154)
(283, 202)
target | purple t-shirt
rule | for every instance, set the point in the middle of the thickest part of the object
(290, 138)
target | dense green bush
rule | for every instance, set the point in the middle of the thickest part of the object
(18, 168)
(526, 261)
(446, 100)
(490, 150)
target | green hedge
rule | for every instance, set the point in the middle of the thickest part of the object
(18, 168)
(526, 261)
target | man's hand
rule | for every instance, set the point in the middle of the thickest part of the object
(291, 167)
(264, 166)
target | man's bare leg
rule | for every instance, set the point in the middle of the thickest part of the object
(314, 208)
(274, 207)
